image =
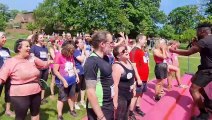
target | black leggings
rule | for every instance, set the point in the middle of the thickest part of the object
(23, 103)
(123, 108)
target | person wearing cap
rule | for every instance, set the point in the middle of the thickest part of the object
(4, 55)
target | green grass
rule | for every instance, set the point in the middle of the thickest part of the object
(48, 111)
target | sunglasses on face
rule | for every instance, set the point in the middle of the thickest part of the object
(124, 51)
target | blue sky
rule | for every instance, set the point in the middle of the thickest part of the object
(29, 5)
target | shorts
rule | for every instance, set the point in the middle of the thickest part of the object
(141, 89)
(161, 71)
(65, 93)
(108, 113)
(202, 77)
(44, 74)
(81, 84)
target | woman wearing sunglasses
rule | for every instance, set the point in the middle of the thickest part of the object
(123, 76)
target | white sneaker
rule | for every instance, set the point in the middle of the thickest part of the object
(77, 106)
(83, 104)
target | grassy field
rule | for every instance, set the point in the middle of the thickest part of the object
(48, 111)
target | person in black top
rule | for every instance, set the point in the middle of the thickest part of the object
(204, 74)
(98, 78)
(123, 76)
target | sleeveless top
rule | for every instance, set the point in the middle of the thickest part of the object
(126, 81)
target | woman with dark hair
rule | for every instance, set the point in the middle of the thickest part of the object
(25, 91)
(66, 79)
(40, 51)
(123, 76)
(79, 58)
(53, 50)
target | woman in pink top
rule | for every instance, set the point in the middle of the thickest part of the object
(25, 91)
(173, 67)
(66, 79)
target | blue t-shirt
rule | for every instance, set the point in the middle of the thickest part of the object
(4, 55)
(40, 52)
(88, 48)
(78, 64)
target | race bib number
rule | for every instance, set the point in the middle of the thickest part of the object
(43, 54)
(69, 68)
(145, 59)
(129, 75)
(78, 70)
(112, 91)
(4, 54)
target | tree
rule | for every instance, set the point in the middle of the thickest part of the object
(130, 16)
(2, 22)
(46, 15)
(13, 13)
(209, 7)
(31, 27)
(188, 35)
(207, 20)
(144, 14)
(89, 15)
(183, 18)
(167, 32)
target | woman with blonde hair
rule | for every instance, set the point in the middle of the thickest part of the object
(173, 66)
(159, 54)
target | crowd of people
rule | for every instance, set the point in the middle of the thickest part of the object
(112, 73)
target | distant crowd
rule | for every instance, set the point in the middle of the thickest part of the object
(105, 74)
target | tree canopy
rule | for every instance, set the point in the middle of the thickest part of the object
(130, 16)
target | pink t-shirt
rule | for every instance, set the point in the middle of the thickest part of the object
(175, 60)
(24, 75)
(66, 66)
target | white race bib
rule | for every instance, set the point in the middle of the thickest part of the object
(43, 54)
(129, 75)
(145, 59)
(4, 54)
(112, 91)
(69, 68)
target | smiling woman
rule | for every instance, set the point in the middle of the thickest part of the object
(23, 70)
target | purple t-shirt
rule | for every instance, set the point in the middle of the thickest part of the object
(66, 69)
(40, 52)
(78, 64)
